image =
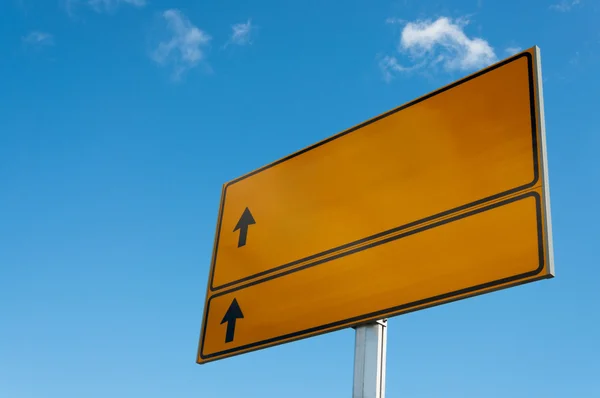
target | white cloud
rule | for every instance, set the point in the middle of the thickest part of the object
(512, 50)
(564, 5)
(185, 47)
(446, 41)
(39, 38)
(442, 42)
(241, 33)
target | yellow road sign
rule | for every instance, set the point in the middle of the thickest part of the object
(439, 199)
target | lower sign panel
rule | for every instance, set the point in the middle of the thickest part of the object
(483, 249)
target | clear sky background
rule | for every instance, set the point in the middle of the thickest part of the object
(121, 119)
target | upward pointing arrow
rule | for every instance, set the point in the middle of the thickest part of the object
(231, 316)
(245, 220)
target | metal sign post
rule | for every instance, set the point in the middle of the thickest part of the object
(369, 360)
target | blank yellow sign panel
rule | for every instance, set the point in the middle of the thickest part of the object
(440, 199)
(466, 144)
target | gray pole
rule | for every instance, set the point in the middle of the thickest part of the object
(369, 360)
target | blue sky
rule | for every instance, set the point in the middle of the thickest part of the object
(120, 120)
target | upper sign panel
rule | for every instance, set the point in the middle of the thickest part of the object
(465, 144)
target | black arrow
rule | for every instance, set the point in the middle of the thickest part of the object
(231, 316)
(245, 220)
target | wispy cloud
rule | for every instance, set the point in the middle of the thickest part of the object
(393, 20)
(512, 50)
(184, 48)
(440, 43)
(108, 5)
(241, 34)
(38, 38)
(389, 66)
(565, 5)
(102, 5)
